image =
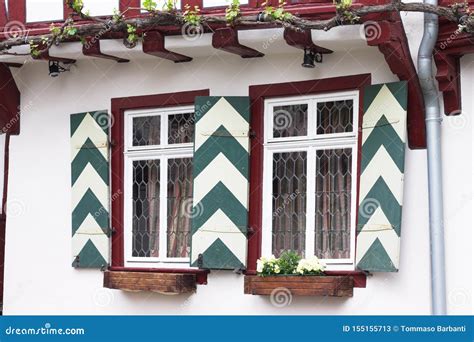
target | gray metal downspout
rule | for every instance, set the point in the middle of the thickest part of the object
(435, 183)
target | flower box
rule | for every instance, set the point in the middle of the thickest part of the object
(166, 283)
(335, 286)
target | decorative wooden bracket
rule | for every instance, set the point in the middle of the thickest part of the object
(44, 55)
(154, 44)
(92, 49)
(227, 39)
(449, 81)
(13, 65)
(389, 36)
(450, 47)
(303, 40)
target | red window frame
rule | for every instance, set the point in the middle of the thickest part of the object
(258, 95)
(119, 106)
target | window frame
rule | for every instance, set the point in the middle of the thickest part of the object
(117, 161)
(310, 143)
(258, 95)
(162, 152)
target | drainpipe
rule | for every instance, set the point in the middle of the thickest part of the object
(433, 139)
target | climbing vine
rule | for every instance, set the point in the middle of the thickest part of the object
(133, 28)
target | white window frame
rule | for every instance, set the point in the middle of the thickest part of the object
(162, 152)
(310, 143)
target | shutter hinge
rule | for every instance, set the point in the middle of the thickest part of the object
(252, 134)
(240, 270)
(200, 261)
(250, 231)
(76, 262)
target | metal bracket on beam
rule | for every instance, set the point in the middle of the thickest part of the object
(303, 40)
(92, 49)
(154, 44)
(227, 39)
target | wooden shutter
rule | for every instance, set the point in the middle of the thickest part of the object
(220, 192)
(381, 180)
(90, 189)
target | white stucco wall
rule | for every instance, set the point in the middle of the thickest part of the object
(38, 275)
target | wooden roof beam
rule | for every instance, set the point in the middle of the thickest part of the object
(154, 44)
(92, 49)
(303, 40)
(227, 39)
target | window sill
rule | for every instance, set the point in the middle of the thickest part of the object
(327, 285)
(167, 281)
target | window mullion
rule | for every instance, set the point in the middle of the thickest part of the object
(312, 119)
(310, 201)
(267, 217)
(163, 241)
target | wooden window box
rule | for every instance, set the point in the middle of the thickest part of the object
(166, 283)
(335, 286)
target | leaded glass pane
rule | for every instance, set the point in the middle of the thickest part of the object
(335, 117)
(146, 208)
(289, 202)
(146, 130)
(333, 203)
(181, 128)
(290, 121)
(180, 203)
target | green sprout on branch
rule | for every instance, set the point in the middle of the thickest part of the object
(192, 15)
(233, 11)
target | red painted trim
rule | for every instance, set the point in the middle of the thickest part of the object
(119, 106)
(17, 10)
(201, 275)
(124, 4)
(67, 11)
(3, 14)
(258, 94)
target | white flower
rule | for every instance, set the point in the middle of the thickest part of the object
(260, 265)
(310, 265)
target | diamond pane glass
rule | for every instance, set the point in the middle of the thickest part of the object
(181, 128)
(333, 203)
(146, 208)
(290, 121)
(335, 117)
(289, 202)
(180, 203)
(146, 130)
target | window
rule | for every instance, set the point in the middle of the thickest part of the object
(43, 10)
(158, 185)
(100, 8)
(217, 3)
(309, 176)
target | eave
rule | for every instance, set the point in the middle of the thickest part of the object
(392, 43)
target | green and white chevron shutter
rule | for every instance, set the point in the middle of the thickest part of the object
(381, 180)
(221, 173)
(90, 189)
